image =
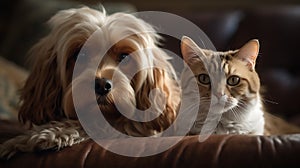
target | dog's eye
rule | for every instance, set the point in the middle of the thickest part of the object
(124, 57)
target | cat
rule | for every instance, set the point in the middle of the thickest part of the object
(229, 87)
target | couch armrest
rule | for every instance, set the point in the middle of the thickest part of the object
(216, 151)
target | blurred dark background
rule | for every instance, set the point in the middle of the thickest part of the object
(229, 24)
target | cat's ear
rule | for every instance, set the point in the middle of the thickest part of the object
(249, 52)
(190, 50)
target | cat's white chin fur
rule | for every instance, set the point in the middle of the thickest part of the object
(249, 121)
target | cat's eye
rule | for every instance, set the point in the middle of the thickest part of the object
(124, 58)
(233, 80)
(204, 79)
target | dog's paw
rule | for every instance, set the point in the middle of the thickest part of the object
(47, 137)
(6, 152)
(14, 145)
(57, 138)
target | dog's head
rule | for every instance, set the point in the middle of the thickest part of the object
(47, 94)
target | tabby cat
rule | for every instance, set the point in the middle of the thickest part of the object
(229, 87)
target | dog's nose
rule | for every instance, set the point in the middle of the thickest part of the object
(102, 86)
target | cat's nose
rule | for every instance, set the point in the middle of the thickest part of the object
(219, 95)
(218, 99)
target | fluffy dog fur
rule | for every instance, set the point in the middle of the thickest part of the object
(46, 99)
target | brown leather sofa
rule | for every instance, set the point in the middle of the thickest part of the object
(277, 28)
(216, 151)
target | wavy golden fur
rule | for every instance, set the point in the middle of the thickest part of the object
(47, 95)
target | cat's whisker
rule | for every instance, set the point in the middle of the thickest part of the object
(235, 115)
(204, 46)
(268, 101)
(205, 100)
(238, 116)
(242, 104)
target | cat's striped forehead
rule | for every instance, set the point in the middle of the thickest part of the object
(220, 60)
(227, 56)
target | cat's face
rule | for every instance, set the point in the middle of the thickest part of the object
(226, 79)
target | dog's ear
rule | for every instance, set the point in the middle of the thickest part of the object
(162, 78)
(41, 94)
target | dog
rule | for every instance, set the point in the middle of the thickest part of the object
(47, 103)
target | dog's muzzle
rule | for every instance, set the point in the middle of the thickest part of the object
(102, 86)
